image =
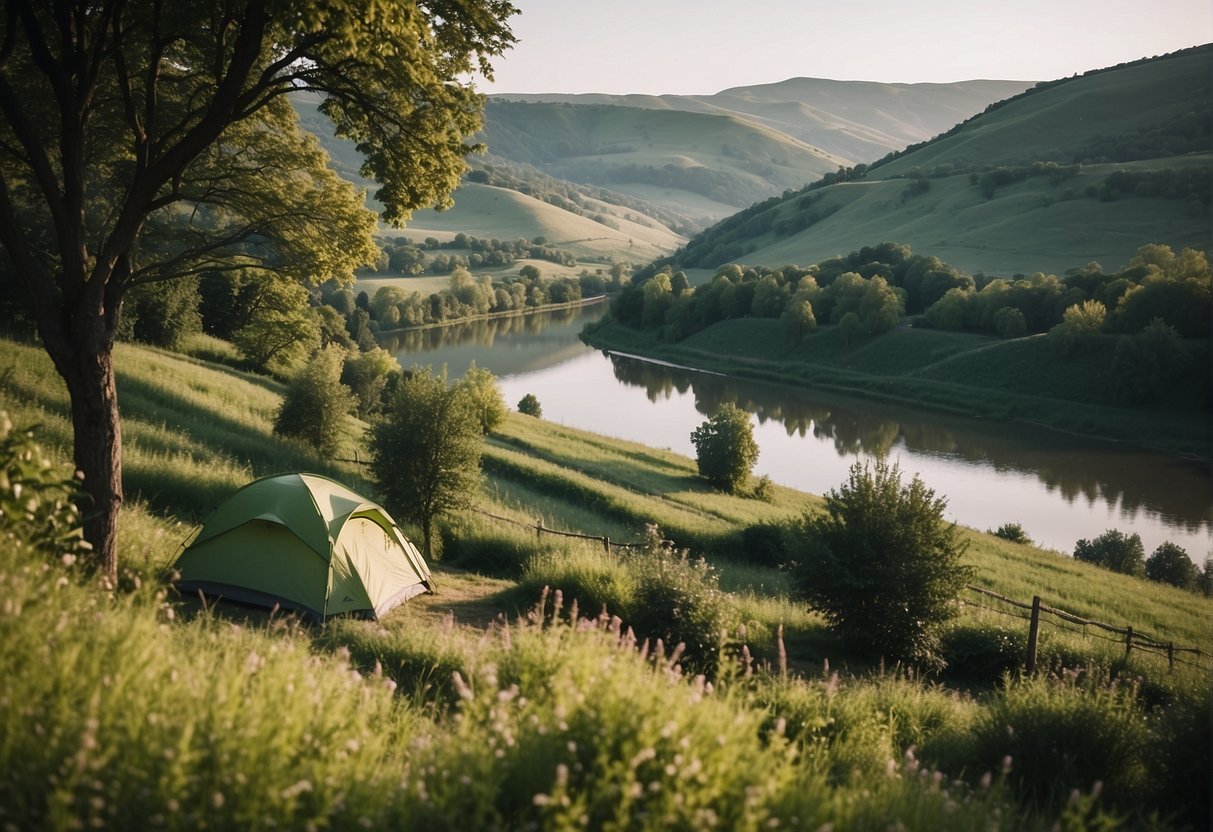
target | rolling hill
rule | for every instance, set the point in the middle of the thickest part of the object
(727, 159)
(486, 211)
(635, 175)
(854, 121)
(1087, 168)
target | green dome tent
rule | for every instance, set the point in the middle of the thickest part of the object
(306, 543)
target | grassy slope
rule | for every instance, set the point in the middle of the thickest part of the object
(1072, 114)
(488, 212)
(1029, 226)
(204, 713)
(1026, 228)
(978, 375)
(854, 120)
(196, 432)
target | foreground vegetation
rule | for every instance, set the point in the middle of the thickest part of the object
(126, 705)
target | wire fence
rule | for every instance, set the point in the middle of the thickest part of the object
(1131, 638)
(540, 530)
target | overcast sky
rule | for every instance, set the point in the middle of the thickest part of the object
(704, 46)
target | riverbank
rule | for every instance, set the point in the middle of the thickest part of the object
(1022, 380)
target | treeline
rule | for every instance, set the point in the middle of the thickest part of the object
(403, 256)
(865, 293)
(1156, 302)
(1156, 284)
(393, 307)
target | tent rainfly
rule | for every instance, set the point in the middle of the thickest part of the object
(307, 543)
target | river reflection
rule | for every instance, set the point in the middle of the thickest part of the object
(517, 343)
(1076, 469)
(1061, 488)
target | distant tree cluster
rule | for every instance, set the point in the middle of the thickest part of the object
(403, 256)
(395, 306)
(1157, 283)
(1168, 564)
(865, 292)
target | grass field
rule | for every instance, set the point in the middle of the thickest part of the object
(497, 213)
(128, 707)
(1032, 225)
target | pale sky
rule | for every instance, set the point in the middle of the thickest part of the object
(704, 46)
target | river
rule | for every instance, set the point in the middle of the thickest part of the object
(1060, 488)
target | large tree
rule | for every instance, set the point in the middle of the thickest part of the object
(145, 141)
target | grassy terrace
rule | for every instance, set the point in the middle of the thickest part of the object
(1023, 379)
(134, 706)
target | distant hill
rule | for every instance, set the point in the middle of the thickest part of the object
(727, 159)
(487, 212)
(1086, 168)
(853, 121)
(631, 177)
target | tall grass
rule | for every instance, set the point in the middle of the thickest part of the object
(125, 708)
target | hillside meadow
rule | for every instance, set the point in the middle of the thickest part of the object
(131, 706)
(972, 197)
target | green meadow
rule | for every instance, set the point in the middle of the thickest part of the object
(492, 704)
(1137, 118)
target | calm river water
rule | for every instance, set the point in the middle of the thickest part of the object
(1059, 487)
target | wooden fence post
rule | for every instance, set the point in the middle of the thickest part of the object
(1170, 655)
(1033, 634)
(1128, 641)
(539, 528)
(606, 544)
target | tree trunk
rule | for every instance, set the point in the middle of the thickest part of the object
(88, 370)
(81, 347)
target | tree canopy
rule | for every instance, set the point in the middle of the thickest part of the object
(725, 449)
(426, 450)
(146, 141)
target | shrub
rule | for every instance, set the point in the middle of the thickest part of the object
(1013, 532)
(317, 403)
(1113, 550)
(1170, 564)
(982, 655)
(725, 449)
(764, 489)
(678, 599)
(529, 405)
(37, 503)
(1059, 734)
(764, 544)
(479, 386)
(881, 564)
